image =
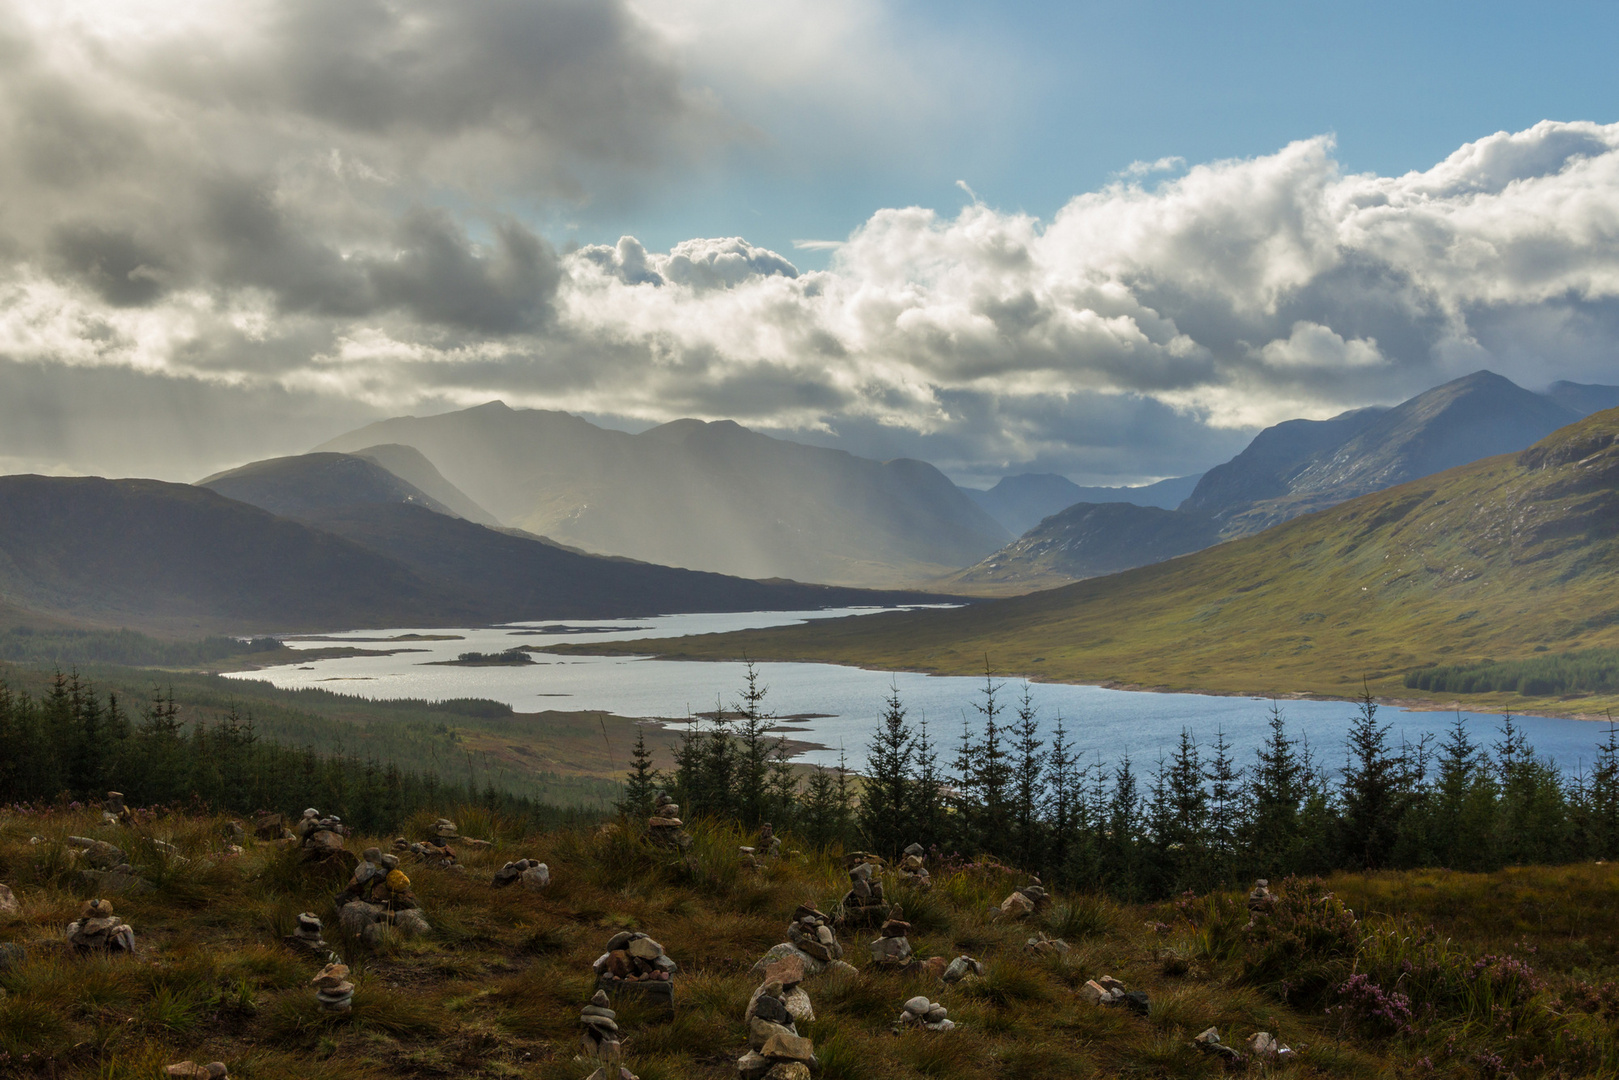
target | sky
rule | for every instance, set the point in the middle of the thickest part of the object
(1106, 240)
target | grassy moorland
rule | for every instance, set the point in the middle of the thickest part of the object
(1494, 560)
(1441, 974)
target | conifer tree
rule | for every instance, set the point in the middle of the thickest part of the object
(754, 751)
(1602, 798)
(1224, 810)
(642, 782)
(1062, 809)
(1027, 788)
(885, 815)
(1370, 791)
(927, 809)
(1274, 791)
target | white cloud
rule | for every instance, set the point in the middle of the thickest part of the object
(334, 200)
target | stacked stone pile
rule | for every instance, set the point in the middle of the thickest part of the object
(190, 1070)
(1209, 1042)
(892, 948)
(271, 828)
(768, 846)
(426, 852)
(919, 1012)
(1260, 901)
(534, 875)
(100, 855)
(322, 838)
(379, 895)
(962, 969)
(776, 1051)
(811, 939)
(1041, 945)
(97, 929)
(600, 1039)
(863, 904)
(1025, 900)
(664, 826)
(912, 869)
(307, 937)
(333, 991)
(106, 868)
(1109, 991)
(113, 810)
(635, 963)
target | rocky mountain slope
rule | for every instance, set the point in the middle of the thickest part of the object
(711, 496)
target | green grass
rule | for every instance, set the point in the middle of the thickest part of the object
(1488, 560)
(495, 990)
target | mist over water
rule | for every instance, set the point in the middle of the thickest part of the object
(838, 707)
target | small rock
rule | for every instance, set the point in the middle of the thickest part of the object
(8, 901)
(785, 1046)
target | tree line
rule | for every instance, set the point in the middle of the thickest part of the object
(71, 743)
(1195, 818)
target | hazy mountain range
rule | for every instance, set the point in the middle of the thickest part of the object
(1290, 469)
(711, 496)
(1021, 502)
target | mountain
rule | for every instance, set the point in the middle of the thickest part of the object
(1086, 540)
(1293, 468)
(178, 558)
(1021, 502)
(411, 466)
(1491, 559)
(1583, 399)
(712, 496)
(295, 486)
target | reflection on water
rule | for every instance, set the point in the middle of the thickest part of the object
(838, 706)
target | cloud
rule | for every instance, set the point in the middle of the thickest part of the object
(335, 205)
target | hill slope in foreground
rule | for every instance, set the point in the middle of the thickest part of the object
(1491, 559)
(1512, 981)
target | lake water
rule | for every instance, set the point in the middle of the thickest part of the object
(1108, 723)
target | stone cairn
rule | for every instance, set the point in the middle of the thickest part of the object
(776, 1051)
(113, 810)
(811, 940)
(106, 868)
(190, 1070)
(379, 895)
(534, 875)
(1041, 945)
(891, 948)
(306, 938)
(962, 969)
(863, 904)
(1111, 992)
(320, 837)
(97, 929)
(919, 1012)
(1025, 900)
(664, 826)
(768, 846)
(427, 853)
(271, 828)
(333, 991)
(913, 871)
(1261, 901)
(634, 963)
(599, 1042)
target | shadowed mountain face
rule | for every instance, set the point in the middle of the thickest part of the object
(180, 558)
(1088, 540)
(712, 496)
(1021, 502)
(1293, 468)
(295, 486)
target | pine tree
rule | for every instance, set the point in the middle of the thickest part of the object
(754, 751)
(1275, 791)
(641, 785)
(1602, 798)
(927, 809)
(885, 817)
(1062, 810)
(1188, 817)
(1028, 787)
(991, 774)
(1224, 811)
(1121, 846)
(1370, 792)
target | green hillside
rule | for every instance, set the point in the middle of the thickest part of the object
(1487, 561)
